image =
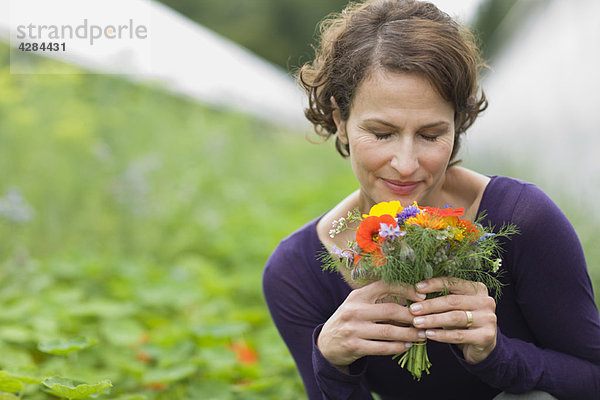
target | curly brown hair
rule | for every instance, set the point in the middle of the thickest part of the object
(398, 36)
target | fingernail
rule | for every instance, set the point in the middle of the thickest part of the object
(408, 345)
(416, 307)
(421, 295)
(430, 333)
(421, 334)
(421, 285)
(418, 321)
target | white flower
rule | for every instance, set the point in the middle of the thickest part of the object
(497, 264)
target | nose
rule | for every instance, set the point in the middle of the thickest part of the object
(405, 159)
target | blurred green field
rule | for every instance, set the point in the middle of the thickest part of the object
(135, 226)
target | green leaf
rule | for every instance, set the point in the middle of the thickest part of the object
(62, 347)
(69, 389)
(102, 309)
(221, 330)
(14, 356)
(8, 396)
(15, 334)
(24, 374)
(260, 384)
(172, 374)
(212, 390)
(25, 378)
(122, 332)
(9, 384)
(130, 397)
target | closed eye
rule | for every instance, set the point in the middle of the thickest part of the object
(382, 136)
(430, 138)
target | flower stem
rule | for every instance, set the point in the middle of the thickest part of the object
(415, 360)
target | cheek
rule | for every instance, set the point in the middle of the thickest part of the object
(438, 157)
(370, 155)
(444, 145)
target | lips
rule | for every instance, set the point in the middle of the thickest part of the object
(401, 187)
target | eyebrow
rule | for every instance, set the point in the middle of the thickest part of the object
(427, 126)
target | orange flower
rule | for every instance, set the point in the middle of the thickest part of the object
(448, 215)
(367, 234)
(469, 229)
(430, 221)
(144, 338)
(158, 386)
(445, 212)
(143, 356)
(378, 258)
(245, 355)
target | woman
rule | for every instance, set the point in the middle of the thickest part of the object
(395, 81)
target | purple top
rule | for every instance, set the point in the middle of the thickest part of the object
(548, 323)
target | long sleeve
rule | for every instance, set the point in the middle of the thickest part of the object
(548, 322)
(555, 297)
(300, 301)
(333, 383)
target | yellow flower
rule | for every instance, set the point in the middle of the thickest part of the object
(458, 234)
(384, 208)
(451, 221)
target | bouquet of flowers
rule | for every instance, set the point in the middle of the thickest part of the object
(410, 244)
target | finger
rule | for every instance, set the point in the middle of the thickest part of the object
(379, 290)
(389, 312)
(480, 338)
(376, 312)
(452, 320)
(394, 333)
(452, 285)
(383, 348)
(453, 336)
(452, 302)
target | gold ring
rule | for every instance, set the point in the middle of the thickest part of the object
(469, 319)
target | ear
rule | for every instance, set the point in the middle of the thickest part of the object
(339, 123)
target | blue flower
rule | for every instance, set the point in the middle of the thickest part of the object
(343, 253)
(390, 232)
(486, 235)
(407, 213)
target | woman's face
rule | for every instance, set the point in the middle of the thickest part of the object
(401, 133)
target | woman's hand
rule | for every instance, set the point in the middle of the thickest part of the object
(476, 340)
(363, 325)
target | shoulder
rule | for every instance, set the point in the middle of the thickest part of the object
(513, 200)
(294, 282)
(543, 227)
(300, 247)
(295, 264)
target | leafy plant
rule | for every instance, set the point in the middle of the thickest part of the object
(71, 390)
(148, 221)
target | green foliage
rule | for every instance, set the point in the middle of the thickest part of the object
(422, 253)
(141, 222)
(497, 21)
(62, 347)
(490, 15)
(9, 383)
(68, 389)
